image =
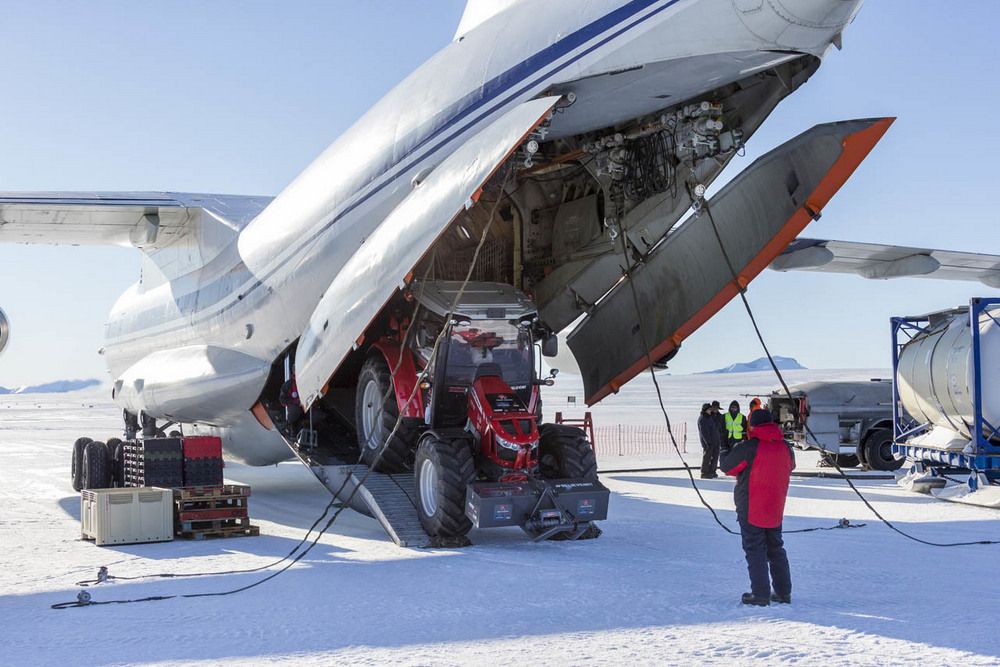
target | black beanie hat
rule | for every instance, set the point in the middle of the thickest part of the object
(761, 416)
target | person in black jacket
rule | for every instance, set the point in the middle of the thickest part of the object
(711, 442)
(762, 466)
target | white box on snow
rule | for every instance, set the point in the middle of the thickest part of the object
(127, 516)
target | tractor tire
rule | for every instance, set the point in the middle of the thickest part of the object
(565, 453)
(96, 466)
(878, 451)
(443, 471)
(376, 413)
(76, 471)
(115, 449)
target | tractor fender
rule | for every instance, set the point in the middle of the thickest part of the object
(403, 372)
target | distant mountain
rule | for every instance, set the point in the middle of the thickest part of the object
(58, 387)
(762, 364)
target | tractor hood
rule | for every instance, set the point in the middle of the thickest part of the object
(705, 261)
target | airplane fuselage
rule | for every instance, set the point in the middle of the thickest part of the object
(255, 297)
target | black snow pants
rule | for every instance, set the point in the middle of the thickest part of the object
(709, 460)
(763, 548)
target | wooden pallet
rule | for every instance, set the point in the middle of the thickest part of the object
(212, 524)
(237, 531)
(217, 492)
(186, 516)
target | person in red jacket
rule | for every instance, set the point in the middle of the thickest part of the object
(762, 466)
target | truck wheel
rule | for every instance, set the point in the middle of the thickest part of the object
(443, 471)
(96, 467)
(878, 451)
(861, 454)
(76, 472)
(376, 413)
(115, 447)
(564, 452)
(847, 460)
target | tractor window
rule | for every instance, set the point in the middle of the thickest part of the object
(490, 346)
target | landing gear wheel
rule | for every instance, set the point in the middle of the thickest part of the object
(376, 413)
(878, 451)
(564, 452)
(115, 448)
(443, 470)
(76, 472)
(96, 466)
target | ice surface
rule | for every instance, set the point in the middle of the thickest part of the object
(660, 587)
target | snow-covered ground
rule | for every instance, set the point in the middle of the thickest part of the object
(661, 586)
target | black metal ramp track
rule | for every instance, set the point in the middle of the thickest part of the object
(389, 499)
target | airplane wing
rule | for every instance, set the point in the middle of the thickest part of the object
(384, 259)
(881, 262)
(146, 220)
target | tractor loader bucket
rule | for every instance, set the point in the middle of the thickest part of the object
(687, 278)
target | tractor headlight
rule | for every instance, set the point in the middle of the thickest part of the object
(507, 444)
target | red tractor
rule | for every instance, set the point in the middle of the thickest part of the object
(471, 429)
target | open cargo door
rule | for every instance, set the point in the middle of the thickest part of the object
(382, 262)
(687, 279)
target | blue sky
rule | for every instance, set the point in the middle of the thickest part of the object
(239, 97)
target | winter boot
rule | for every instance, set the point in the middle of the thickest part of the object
(748, 598)
(782, 599)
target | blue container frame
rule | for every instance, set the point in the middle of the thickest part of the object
(985, 455)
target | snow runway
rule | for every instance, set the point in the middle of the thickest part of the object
(660, 587)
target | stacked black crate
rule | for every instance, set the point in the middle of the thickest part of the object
(202, 461)
(154, 462)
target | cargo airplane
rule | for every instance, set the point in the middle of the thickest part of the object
(565, 144)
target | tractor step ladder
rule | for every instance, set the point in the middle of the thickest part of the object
(390, 499)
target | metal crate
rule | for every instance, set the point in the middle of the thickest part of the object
(127, 516)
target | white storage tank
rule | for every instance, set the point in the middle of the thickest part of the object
(936, 372)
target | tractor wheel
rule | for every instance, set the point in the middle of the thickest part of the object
(878, 451)
(76, 472)
(565, 453)
(96, 466)
(115, 448)
(376, 413)
(443, 470)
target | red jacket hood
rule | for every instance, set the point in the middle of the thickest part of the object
(767, 432)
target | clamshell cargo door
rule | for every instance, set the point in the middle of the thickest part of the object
(687, 278)
(384, 259)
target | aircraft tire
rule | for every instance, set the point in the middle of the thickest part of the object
(115, 450)
(76, 471)
(96, 466)
(443, 471)
(878, 451)
(376, 413)
(565, 453)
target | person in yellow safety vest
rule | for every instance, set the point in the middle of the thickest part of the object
(736, 426)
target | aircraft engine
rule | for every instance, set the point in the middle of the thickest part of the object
(4, 330)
